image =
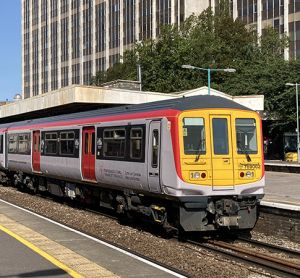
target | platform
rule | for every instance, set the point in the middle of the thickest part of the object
(282, 166)
(32, 246)
(282, 190)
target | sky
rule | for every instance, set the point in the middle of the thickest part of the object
(10, 49)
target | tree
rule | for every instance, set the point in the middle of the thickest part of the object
(216, 41)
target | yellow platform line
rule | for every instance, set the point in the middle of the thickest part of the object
(42, 253)
(71, 262)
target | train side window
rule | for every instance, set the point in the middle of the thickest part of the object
(114, 143)
(136, 137)
(66, 140)
(220, 136)
(246, 140)
(194, 136)
(51, 143)
(1, 143)
(13, 143)
(155, 148)
(24, 146)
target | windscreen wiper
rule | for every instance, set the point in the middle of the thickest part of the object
(243, 149)
(199, 150)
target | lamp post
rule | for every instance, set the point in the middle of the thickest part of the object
(209, 70)
(297, 108)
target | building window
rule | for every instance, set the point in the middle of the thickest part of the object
(76, 74)
(114, 23)
(87, 72)
(129, 21)
(100, 27)
(87, 27)
(145, 19)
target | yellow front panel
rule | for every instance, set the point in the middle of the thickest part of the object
(227, 168)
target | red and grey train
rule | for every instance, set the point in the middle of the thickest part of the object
(193, 163)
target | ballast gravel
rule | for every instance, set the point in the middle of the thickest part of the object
(195, 261)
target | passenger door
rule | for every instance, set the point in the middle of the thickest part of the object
(222, 156)
(154, 156)
(36, 151)
(88, 153)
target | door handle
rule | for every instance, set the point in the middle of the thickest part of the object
(226, 160)
(153, 174)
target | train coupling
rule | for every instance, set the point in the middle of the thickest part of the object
(228, 221)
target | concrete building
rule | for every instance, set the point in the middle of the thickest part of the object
(65, 42)
(78, 98)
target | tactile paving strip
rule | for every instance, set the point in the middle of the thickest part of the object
(72, 260)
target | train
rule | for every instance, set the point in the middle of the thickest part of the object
(191, 164)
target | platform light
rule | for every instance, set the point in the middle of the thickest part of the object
(209, 70)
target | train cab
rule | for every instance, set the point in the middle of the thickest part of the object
(220, 149)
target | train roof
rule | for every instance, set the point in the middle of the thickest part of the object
(179, 104)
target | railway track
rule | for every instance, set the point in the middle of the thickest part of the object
(156, 263)
(271, 262)
(275, 264)
(271, 247)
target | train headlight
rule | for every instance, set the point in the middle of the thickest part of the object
(249, 174)
(195, 175)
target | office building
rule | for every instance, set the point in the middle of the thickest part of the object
(65, 42)
(283, 15)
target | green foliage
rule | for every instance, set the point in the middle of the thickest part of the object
(215, 41)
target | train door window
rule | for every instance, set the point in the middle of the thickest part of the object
(194, 136)
(155, 148)
(246, 140)
(66, 140)
(13, 143)
(136, 136)
(35, 145)
(114, 143)
(1, 143)
(24, 144)
(220, 136)
(86, 143)
(93, 143)
(51, 143)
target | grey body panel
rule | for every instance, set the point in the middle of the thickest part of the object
(123, 174)
(62, 167)
(19, 162)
